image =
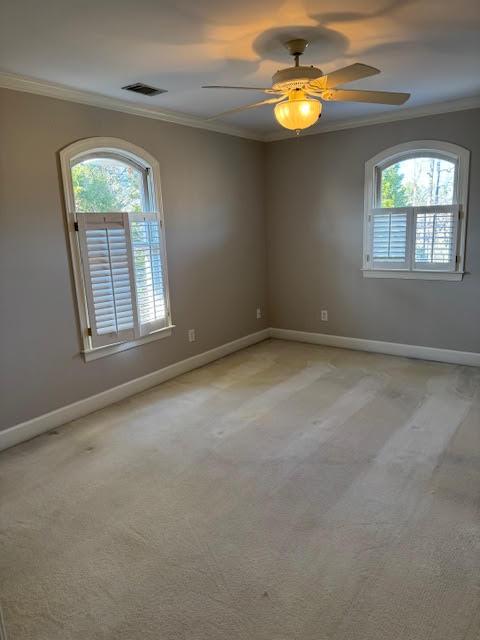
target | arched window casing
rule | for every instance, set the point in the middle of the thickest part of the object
(115, 221)
(415, 211)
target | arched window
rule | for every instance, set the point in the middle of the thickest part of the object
(115, 219)
(415, 211)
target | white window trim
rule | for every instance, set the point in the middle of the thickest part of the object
(461, 157)
(137, 155)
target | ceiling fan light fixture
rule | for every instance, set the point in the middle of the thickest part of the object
(299, 91)
(298, 112)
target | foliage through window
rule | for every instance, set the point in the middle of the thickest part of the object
(112, 198)
(106, 185)
(415, 210)
(416, 182)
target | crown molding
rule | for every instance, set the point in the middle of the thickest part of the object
(27, 84)
(63, 92)
(462, 104)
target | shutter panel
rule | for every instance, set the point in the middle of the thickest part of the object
(107, 269)
(389, 238)
(436, 237)
(148, 260)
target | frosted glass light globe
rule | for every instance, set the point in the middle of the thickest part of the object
(299, 112)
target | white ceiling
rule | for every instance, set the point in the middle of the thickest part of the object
(430, 48)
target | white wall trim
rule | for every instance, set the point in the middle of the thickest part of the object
(111, 349)
(462, 104)
(34, 427)
(391, 348)
(63, 92)
(449, 276)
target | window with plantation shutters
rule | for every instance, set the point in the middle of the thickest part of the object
(415, 211)
(112, 193)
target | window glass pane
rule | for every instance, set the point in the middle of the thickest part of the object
(148, 270)
(107, 185)
(434, 238)
(389, 237)
(416, 182)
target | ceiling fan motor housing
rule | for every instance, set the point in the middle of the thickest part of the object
(294, 77)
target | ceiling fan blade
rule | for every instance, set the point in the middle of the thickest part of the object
(353, 72)
(315, 93)
(248, 106)
(354, 95)
(220, 86)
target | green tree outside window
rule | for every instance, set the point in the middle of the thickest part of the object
(107, 185)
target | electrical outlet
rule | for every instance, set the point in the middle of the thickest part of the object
(259, 313)
(191, 335)
(324, 315)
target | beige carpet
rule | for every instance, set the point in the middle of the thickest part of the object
(286, 492)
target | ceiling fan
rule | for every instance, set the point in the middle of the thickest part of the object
(299, 90)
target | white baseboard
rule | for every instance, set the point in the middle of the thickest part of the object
(390, 348)
(47, 421)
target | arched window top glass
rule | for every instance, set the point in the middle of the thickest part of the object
(107, 182)
(417, 180)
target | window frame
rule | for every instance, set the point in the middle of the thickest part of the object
(129, 153)
(373, 170)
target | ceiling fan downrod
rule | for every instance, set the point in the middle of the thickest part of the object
(296, 48)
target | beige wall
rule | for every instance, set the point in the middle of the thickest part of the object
(213, 189)
(226, 201)
(315, 219)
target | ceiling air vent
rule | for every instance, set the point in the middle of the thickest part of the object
(144, 89)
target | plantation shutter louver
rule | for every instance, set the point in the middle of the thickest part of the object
(389, 237)
(149, 273)
(108, 275)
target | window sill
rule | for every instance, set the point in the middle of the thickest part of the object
(101, 352)
(452, 276)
